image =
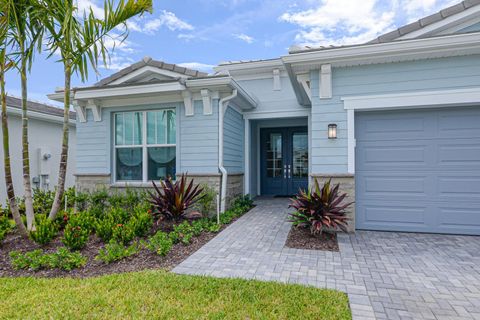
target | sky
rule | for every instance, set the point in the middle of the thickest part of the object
(199, 34)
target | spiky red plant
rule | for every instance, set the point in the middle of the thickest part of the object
(172, 199)
(320, 209)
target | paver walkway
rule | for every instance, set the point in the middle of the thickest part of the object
(386, 275)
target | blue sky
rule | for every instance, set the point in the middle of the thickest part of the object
(202, 33)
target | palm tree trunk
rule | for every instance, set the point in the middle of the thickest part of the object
(25, 151)
(6, 155)
(64, 155)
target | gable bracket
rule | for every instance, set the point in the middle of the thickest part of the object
(207, 101)
(304, 80)
(188, 102)
(277, 85)
(81, 111)
(326, 81)
(94, 105)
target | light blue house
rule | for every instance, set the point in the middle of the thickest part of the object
(396, 121)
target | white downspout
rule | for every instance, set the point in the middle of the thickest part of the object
(222, 107)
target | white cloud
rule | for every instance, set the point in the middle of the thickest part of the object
(86, 5)
(117, 62)
(166, 19)
(244, 37)
(197, 66)
(340, 22)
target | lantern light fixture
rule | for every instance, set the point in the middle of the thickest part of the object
(332, 131)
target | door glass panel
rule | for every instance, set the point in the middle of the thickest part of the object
(300, 155)
(274, 155)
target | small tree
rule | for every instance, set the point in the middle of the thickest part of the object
(5, 65)
(25, 34)
(80, 43)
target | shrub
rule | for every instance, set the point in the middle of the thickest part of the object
(75, 237)
(172, 199)
(36, 260)
(182, 233)
(123, 233)
(141, 222)
(213, 227)
(320, 209)
(45, 231)
(243, 202)
(66, 260)
(206, 202)
(108, 222)
(5, 227)
(115, 251)
(161, 243)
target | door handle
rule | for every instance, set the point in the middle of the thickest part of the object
(289, 172)
(284, 171)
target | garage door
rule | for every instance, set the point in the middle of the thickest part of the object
(418, 170)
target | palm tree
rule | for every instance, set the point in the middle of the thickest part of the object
(5, 65)
(26, 35)
(80, 41)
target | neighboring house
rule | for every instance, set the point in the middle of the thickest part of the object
(396, 121)
(45, 138)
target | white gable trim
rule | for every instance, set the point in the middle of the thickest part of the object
(406, 100)
(146, 69)
(446, 24)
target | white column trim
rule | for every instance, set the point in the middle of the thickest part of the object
(247, 145)
(351, 140)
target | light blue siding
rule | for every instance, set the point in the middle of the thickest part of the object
(92, 154)
(330, 156)
(233, 148)
(270, 100)
(199, 140)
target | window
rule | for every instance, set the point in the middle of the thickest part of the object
(145, 145)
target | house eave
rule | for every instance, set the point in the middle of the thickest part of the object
(397, 51)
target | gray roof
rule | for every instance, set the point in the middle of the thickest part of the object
(421, 23)
(147, 61)
(15, 102)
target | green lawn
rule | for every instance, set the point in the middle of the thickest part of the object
(162, 295)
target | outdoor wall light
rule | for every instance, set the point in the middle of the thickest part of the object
(332, 131)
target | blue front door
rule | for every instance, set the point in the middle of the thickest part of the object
(284, 160)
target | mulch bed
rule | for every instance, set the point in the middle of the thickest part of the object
(301, 238)
(143, 260)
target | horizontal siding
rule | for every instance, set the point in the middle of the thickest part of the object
(92, 148)
(199, 140)
(270, 100)
(330, 156)
(233, 141)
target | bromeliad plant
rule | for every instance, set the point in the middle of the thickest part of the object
(172, 199)
(320, 209)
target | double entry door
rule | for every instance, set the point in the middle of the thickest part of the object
(284, 160)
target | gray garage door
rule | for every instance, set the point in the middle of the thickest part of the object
(418, 170)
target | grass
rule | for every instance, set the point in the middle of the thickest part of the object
(163, 295)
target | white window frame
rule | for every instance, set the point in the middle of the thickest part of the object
(144, 145)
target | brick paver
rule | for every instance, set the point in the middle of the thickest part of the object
(386, 275)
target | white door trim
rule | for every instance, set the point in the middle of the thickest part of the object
(404, 100)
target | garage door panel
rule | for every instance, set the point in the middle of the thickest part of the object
(425, 180)
(459, 187)
(459, 153)
(453, 125)
(386, 214)
(458, 218)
